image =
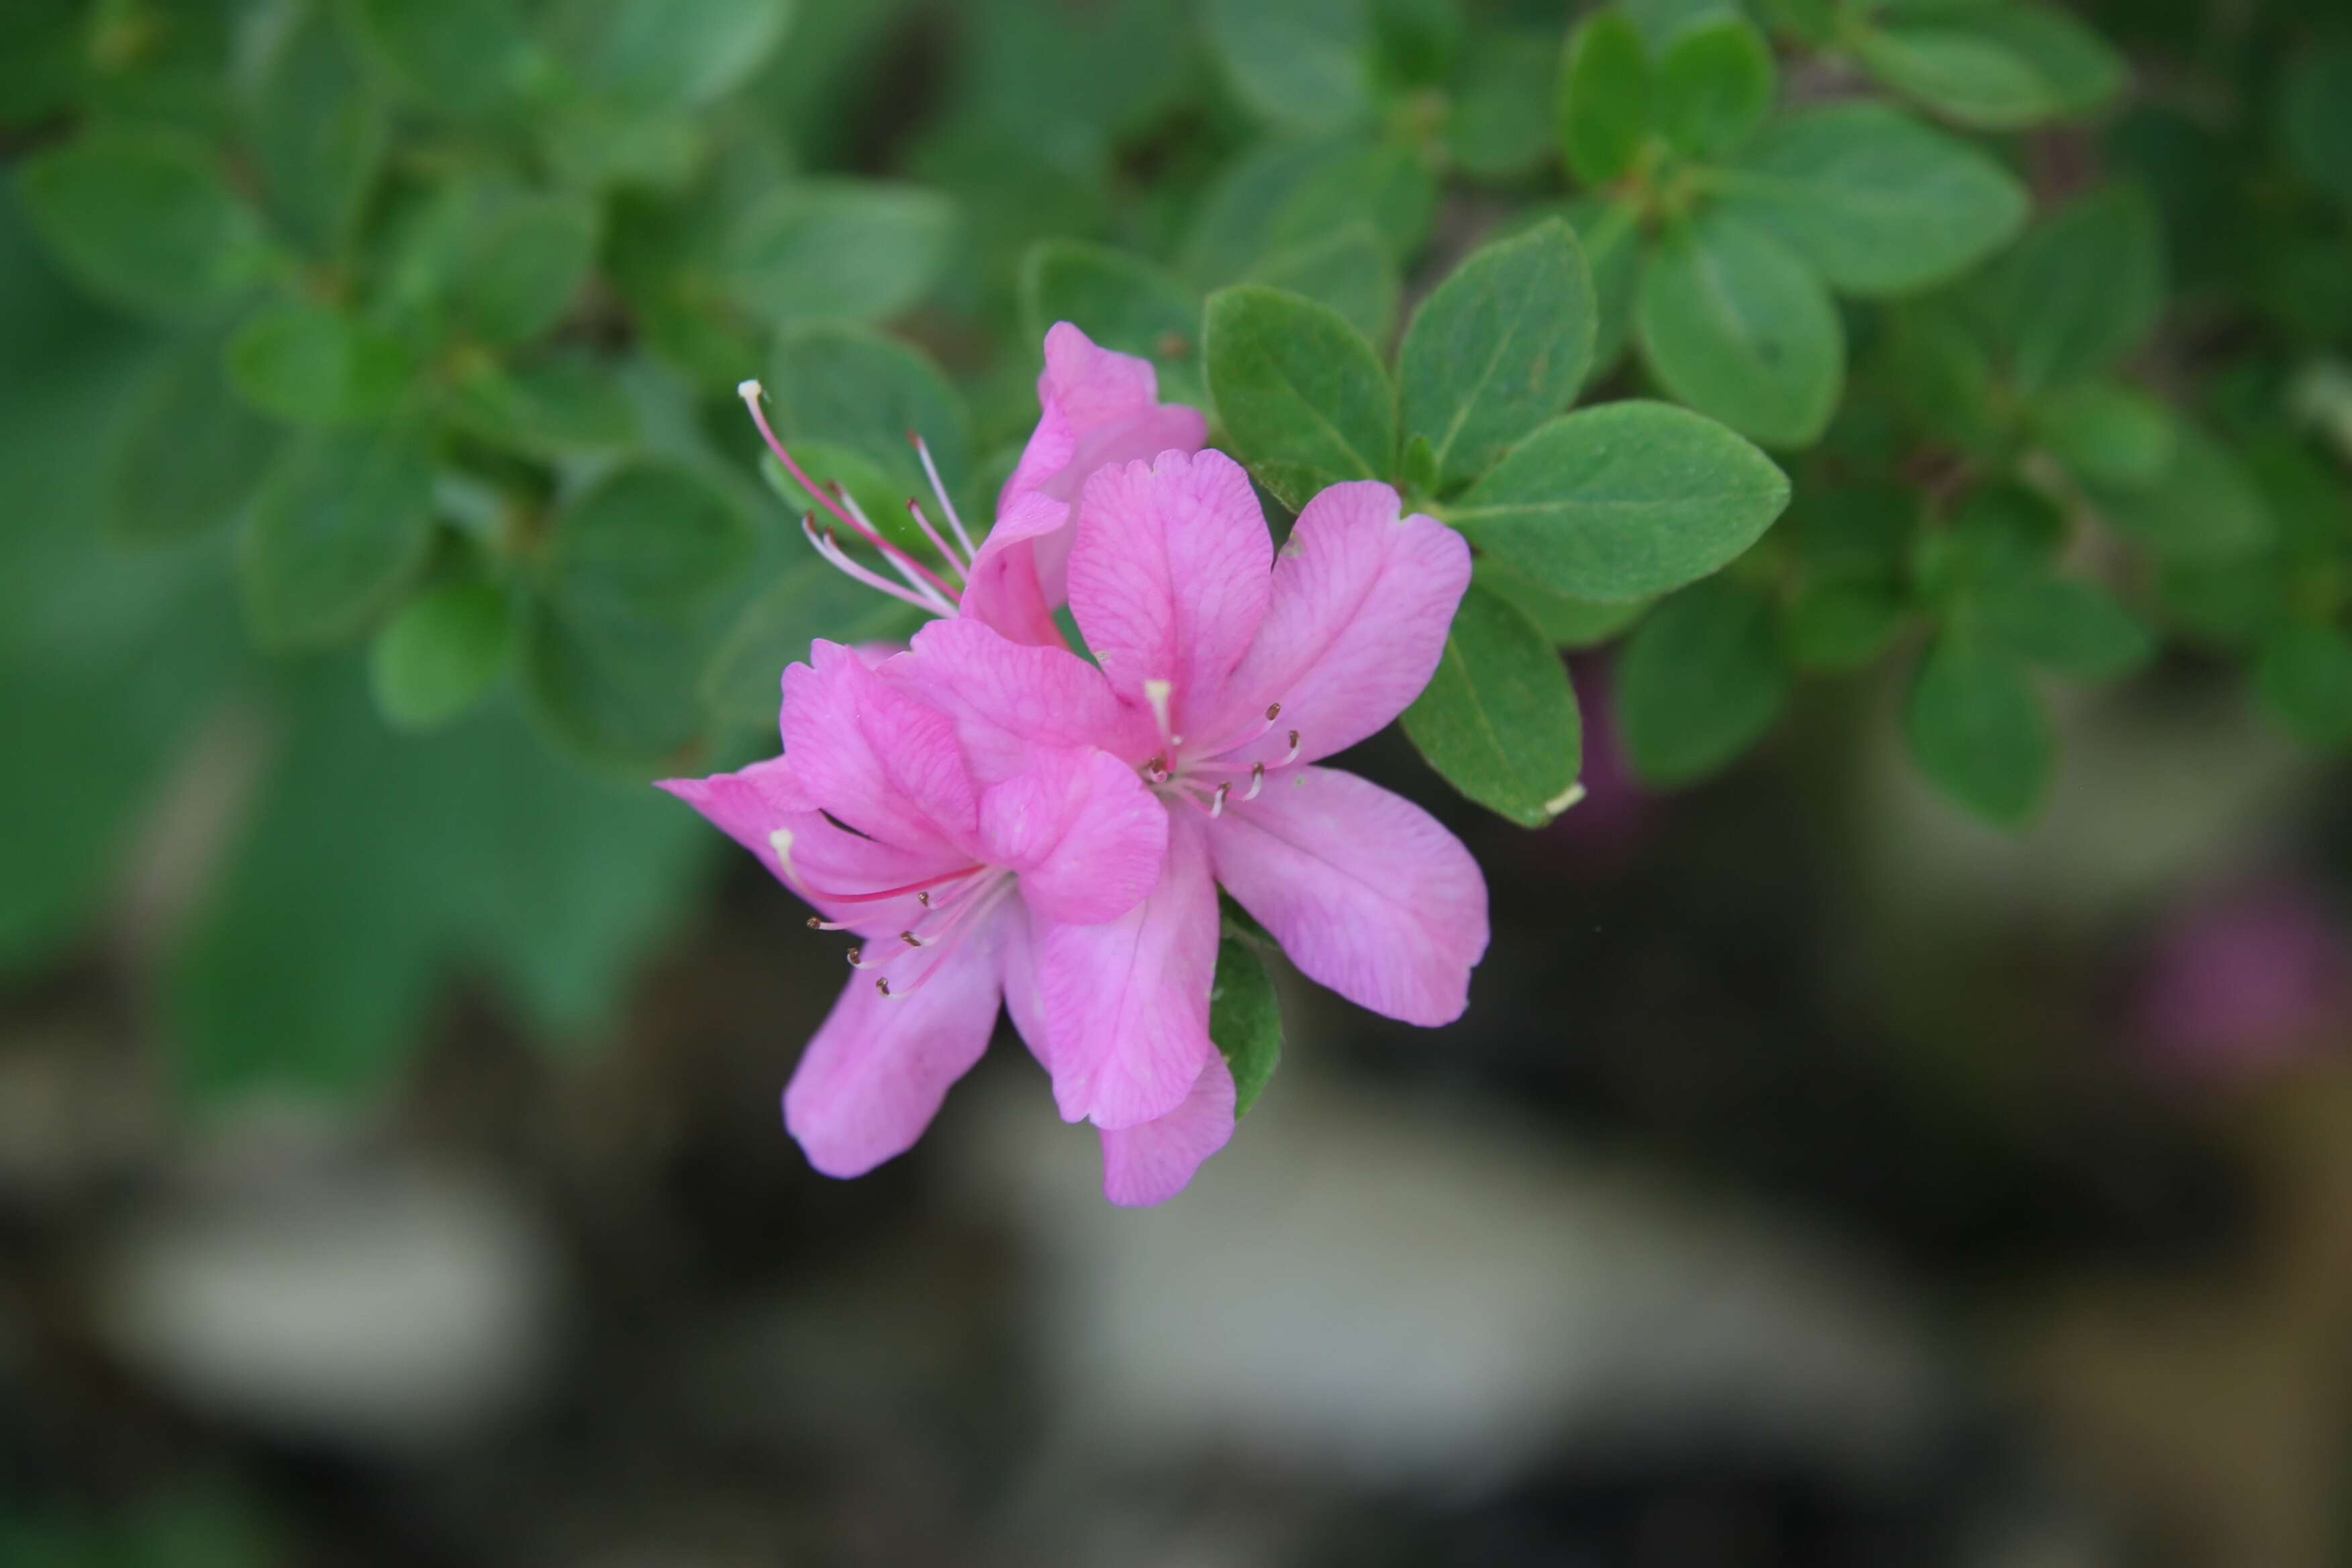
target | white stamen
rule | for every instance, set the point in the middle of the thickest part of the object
(931, 472)
(835, 556)
(1257, 781)
(962, 567)
(908, 569)
(1217, 802)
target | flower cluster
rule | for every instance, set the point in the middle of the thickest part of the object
(992, 816)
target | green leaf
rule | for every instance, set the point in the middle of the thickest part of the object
(1943, 377)
(1715, 85)
(1610, 233)
(1501, 126)
(1119, 301)
(2306, 678)
(192, 456)
(1303, 64)
(1997, 68)
(435, 659)
(1978, 732)
(848, 248)
(2204, 505)
(1879, 202)
(1734, 325)
(2082, 289)
(2108, 437)
(1299, 390)
(523, 265)
(678, 54)
(1245, 1020)
(454, 56)
(313, 365)
(1604, 96)
(1347, 271)
(2314, 116)
(2066, 625)
(650, 539)
(144, 222)
(341, 521)
(1289, 194)
(1700, 681)
(1497, 349)
(566, 404)
(808, 601)
(1497, 720)
(1840, 625)
(1623, 501)
(44, 58)
(1999, 532)
(1568, 623)
(852, 387)
(376, 869)
(2226, 604)
(319, 133)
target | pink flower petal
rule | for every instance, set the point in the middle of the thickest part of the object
(1151, 1162)
(1167, 579)
(1003, 592)
(874, 757)
(763, 808)
(1363, 599)
(1082, 830)
(1008, 700)
(1096, 407)
(874, 1077)
(1127, 1002)
(1368, 893)
(1017, 945)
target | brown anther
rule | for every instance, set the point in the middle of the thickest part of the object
(910, 939)
(924, 899)
(1294, 740)
(1271, 710)
(853, 956)
(882, 984)
(815, 924)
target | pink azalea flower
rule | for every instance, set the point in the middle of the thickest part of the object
(1096, 407)
(874, 817)
(1225, 675)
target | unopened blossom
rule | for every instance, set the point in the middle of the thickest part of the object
(1225, 675)
(1096, 407)
(872, 816)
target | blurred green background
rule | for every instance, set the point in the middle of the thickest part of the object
(390, 1169)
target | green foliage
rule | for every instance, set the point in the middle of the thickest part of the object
(1497, 348)
(1498, 718)
(1701, 681)
(412, 327)
(1978, 732)
(1246, 1015)
(144, 221)
(1301, 395)
(1623, 501)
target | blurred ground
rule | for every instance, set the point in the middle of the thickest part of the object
(1809, 1184)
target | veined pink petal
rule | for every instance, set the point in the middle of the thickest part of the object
(1168, 580)
(1368, 893)
(874, 757)
(1017, 945)
(1003, 592)
(1151, 1162)
(874, 1077)
(1127, 1002)
(1096, 407)
(763, 808)
(1082, 830)
(1363, 599)
(1008, 700)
